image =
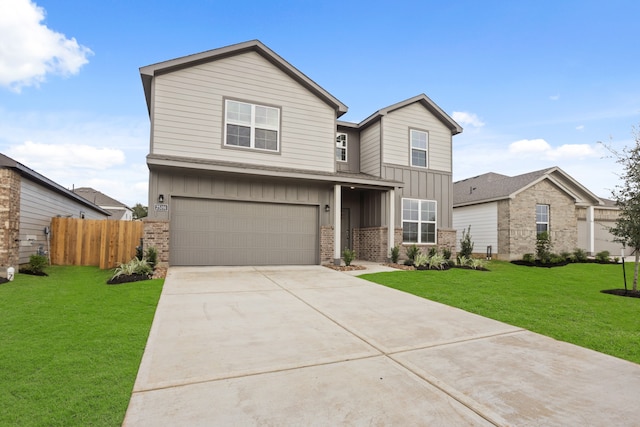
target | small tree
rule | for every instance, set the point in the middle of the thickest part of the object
(466, 245)
(627, 198)
(139, 211)
(543, 247)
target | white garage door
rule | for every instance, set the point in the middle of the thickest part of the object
(224, 232)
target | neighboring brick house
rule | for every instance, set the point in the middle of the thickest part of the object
(117, 209)
(28, 201)
(249, 164)
(506, 213)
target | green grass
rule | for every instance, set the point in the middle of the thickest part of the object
(70, 346)
(564, 302)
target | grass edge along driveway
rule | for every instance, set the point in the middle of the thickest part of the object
(71, 346)
(564, 303)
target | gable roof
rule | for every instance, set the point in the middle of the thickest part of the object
(99, 198)
(422, 99)
(148, 72)
(7, 162)
(491, 186)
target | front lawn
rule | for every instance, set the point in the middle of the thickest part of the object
(564, 302)
(70, 346)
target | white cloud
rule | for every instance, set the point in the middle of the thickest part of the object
(580, 128)
(63, 156)
(529, 146)
(29, 50)
(81, 150)
(542, 150)
(554, 97)
(467, 119)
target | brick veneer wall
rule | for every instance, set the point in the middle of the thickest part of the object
(9, 219)
(371, 243)
(156, 234)
(326, 244)
(517, 221)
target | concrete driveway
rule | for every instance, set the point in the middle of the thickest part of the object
(311, 346)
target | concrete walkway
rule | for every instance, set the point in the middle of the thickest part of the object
(310, 346)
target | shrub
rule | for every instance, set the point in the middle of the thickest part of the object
(348, 255)
(543, 247)
(437, 262)
(421, 260)
(463, 260)
(135, 266)
(412, 252)
(580, 255)
(139, 252)
(446, 253)
(476, 263)
(466, 245)
(556, 259)
(603, 256)
(151, 256)
(529, 258)
(395, 254)
(37, 263)
(433, 251)
(565, 255)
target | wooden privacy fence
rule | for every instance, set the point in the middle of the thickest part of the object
(103, 243)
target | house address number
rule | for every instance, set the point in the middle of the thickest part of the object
(161, 208)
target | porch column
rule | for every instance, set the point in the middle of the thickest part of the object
(392, 221)
(591, 238)
(337, 222)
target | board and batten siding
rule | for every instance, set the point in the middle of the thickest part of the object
(232, 187)
(370, 150)
(38, 205)
(483, 219)
(396, 148)
(188, 114)
(423, 184)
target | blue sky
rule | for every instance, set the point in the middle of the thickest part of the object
(533, 83)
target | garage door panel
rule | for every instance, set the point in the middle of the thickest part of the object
(223, 232)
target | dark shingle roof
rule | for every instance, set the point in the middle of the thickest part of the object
(492, 186)
(100, 199)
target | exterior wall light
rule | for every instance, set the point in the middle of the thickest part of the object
(161, 198)
(327, 208)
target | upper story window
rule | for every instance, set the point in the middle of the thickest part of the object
(418, 221)
(341, 147)
(542, 219)
(251, 126)
(419, 147)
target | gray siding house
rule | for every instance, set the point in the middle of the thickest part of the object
(28, 201)
(506, 213)
(117, 210)
(250, 165)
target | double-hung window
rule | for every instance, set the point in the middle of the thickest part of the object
(341, 147)
(418, 221)
(419, 147)
(251, 126)
(542, 219)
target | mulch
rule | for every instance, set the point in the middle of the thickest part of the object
(622, 293)
(345, 267)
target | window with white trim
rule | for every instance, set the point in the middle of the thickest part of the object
(542, 219)
(419, 147)
(251, 126)
(341, 147)
(418, 221)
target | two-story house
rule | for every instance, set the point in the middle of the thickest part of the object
(249, 165)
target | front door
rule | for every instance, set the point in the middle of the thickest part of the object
(345, 229)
